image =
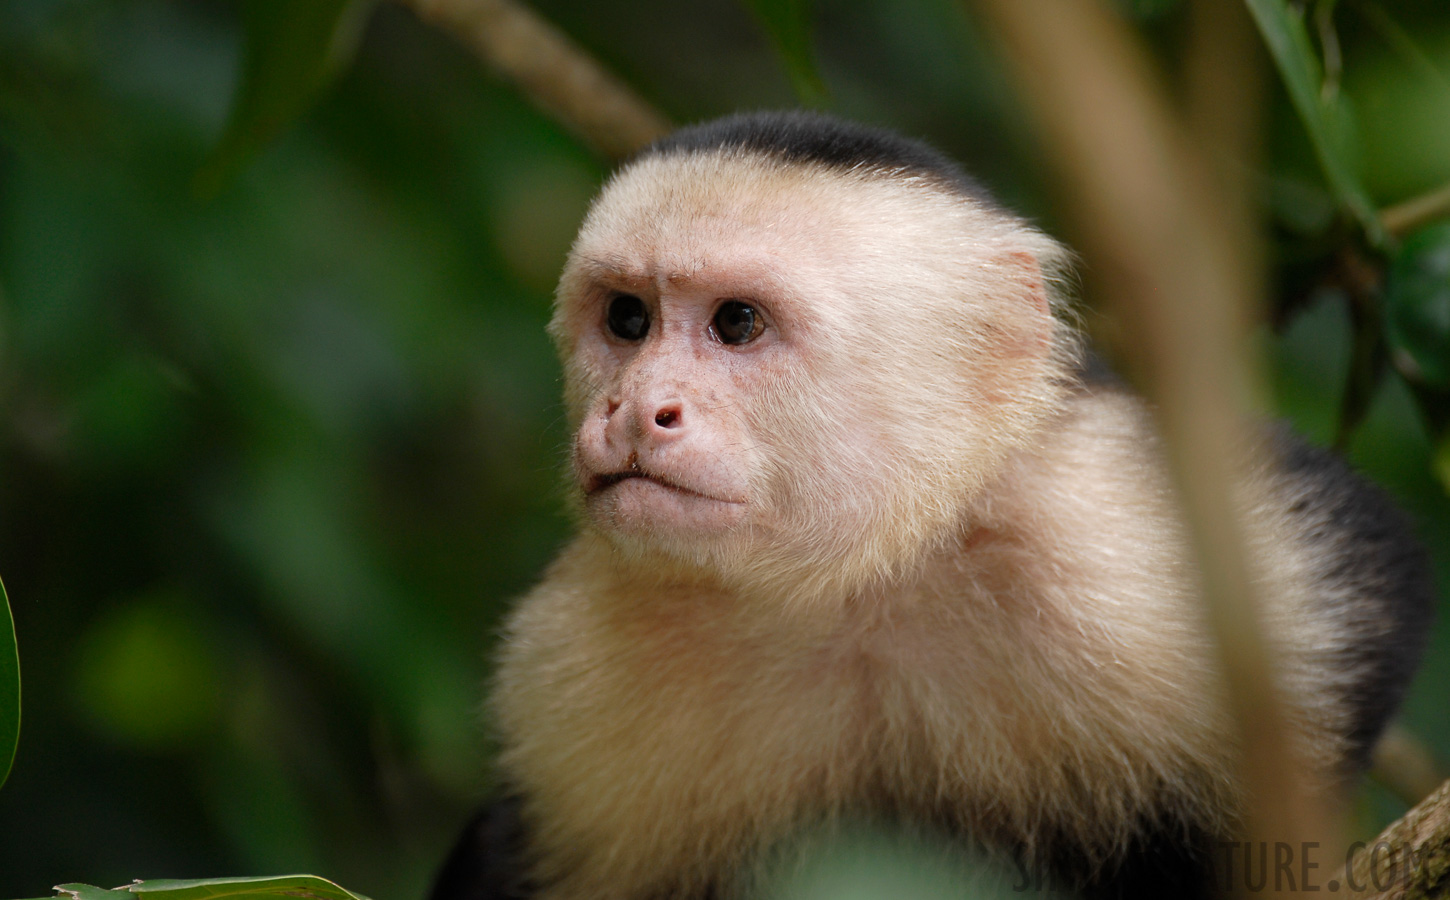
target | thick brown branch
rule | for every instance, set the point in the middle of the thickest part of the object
(553, 71)
(1411, 859)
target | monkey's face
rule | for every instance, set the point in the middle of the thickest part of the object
(661, 448)
(783, 374)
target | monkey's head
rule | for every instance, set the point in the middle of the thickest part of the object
(794, 356)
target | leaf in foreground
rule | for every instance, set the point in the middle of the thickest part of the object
(1326, 118)
(9, 688)
(308, 887)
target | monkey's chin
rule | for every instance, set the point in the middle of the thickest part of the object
(659, 512)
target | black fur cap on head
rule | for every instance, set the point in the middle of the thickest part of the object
(813, 138)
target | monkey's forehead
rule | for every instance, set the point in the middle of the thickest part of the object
(726, 196)
(809, 244)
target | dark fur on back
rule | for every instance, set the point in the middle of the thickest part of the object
(814, 138)
(487, 861)
(1369, 553)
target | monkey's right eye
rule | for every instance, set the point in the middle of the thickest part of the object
(628, 318)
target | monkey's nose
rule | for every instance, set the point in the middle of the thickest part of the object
(669, 415)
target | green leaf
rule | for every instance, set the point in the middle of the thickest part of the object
(9, 687)
(1326, 118)
(1417, 307)
(283, 886)
(294, 49)
(788, 23)
(87, 892)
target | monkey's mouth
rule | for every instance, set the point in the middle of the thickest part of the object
(599, 483)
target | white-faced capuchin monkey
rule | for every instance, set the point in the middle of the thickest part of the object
(861, 537)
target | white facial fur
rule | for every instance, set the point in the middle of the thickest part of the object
(983, 597)
(834, 449)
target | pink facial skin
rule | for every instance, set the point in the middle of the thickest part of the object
(658, 449)
(835, 442)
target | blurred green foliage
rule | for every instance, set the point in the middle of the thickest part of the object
(274, 459)
(862, 862)
(788, 22)
(1417, 297)
(291, 52)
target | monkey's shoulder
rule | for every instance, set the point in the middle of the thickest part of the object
(1104, 453)
(1347, 588)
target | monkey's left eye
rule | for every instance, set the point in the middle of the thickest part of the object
(736, 323)
(628, 317)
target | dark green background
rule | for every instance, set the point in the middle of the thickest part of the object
(272, 463)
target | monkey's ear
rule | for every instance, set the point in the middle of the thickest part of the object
(1029, 312)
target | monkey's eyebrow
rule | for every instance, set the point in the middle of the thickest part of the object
(743, 277)
(613, 269)
(730, 273)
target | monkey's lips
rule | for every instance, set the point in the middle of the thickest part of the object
(637, 500)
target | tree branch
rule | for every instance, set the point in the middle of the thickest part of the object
(1411, 858)
(1403, 218)
(1405, 765)
(1224, 65)
(554, 72)
(1158, 234)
